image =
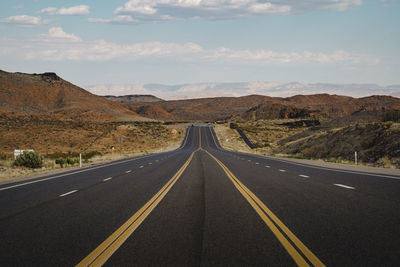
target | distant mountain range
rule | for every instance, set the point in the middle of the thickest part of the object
(275, 89)
(48, 95)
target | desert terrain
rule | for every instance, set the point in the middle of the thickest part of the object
(59, 120)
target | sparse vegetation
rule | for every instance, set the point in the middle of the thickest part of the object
(392, 115)
(60, 142)
(29, 159)
(377, 143)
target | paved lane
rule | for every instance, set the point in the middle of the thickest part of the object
(343, 226)
(201, 205)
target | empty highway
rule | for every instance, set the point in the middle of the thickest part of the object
(201, 205)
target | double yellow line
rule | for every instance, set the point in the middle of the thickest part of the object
(294, 246)
(296, 249)
(104, 251)
(199, 140)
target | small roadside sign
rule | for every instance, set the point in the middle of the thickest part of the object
(120, 139)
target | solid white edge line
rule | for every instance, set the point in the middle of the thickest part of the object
(310, 166)
(92, 168)
(186, 137)
(72, 173)
(345, 186)
(68, 193)
(319, 168)
(107, 179)
(216, 145)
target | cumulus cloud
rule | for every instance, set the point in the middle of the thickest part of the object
(58, 33)
(69, 11)
(23, 21)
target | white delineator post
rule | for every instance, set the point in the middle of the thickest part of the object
(355, 157)
(80, 160)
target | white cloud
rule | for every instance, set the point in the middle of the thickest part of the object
(57, 32)
(186, 52)
(70, 11)
(23, 21)
(158, 10)
(121, 19)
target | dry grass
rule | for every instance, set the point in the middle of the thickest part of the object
(230, 139)
(377, 144)
(52, 136)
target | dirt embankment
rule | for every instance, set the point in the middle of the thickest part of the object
(377, 143)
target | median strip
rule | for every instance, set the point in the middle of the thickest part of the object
(106, 249)
(296, 249)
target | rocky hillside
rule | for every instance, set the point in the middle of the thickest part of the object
(133, 99)
(256, 107)
(49, 95)
(324, 106)
(198, 109)
(375, 143)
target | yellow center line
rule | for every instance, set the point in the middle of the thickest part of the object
(272, 221)
(106, 249)
(199, 140)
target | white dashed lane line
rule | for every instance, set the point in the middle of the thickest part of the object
(282, 170)
(141, 166)
(68, 193)
(267, 166)
(107, 179)
(304, 176)
(150, 163)
(128, 171)
(345, 186)
(257, 163)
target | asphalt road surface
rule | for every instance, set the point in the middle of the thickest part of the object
(202, 206)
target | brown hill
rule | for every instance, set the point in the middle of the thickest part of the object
(255, 107)
(47, 94)
(133, 99)
(332, 107)
(203, 108)
(155, 111)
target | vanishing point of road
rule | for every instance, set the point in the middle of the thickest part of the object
(201, 205)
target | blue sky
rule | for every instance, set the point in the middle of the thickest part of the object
(189, 41)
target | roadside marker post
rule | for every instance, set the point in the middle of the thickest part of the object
(120, 140)
(355, 157)
(80, 160)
